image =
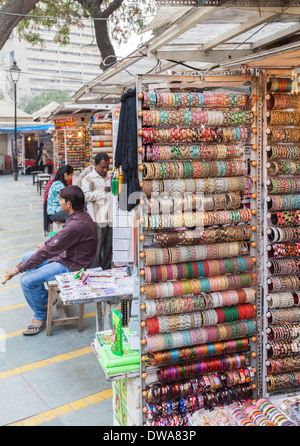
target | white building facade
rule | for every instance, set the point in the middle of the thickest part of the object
(54, 67)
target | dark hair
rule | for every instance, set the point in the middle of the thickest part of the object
(75, 195)
(60, 174)
(101, 156)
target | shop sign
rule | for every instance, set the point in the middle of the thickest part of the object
(64, 123)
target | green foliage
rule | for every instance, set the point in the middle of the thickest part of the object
(45, 98)
(60, 14)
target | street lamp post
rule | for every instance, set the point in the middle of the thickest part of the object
(15, 75)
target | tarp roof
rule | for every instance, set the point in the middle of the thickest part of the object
(202, 39)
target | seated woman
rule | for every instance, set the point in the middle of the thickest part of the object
(61, 180)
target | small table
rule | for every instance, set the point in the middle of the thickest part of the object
(34, 174)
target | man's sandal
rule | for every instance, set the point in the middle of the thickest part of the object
(34, 329)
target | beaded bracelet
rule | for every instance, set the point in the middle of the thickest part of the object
(211, 317)
(168, 100)
(198, 269)
(201, 219)
(198, 117)
(203, 335)
(209, 235)
(194, 169)
(277, 152)
(200, 134)
(204, 285)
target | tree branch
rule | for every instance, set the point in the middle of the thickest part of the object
(9, 22)
(111, 8)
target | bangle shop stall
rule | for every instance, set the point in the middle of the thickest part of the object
(71, 137)
(216, 268)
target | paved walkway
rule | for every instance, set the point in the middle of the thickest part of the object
(44, 381)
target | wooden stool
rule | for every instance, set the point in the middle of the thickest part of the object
(63, 319)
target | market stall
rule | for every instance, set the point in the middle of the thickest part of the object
(217, 235)
(71, 137)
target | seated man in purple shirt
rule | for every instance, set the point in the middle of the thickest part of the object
(71, 249)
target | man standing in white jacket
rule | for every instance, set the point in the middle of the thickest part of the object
(96, 188)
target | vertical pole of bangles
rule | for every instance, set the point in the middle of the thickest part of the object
(141, 253)
(266, 221)
(255, 242)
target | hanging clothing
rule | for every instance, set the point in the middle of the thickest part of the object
(126, 151)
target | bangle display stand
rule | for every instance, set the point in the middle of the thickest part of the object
(198, 312)
(281, 135)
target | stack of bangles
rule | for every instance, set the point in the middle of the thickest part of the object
(283, 300)
(199, 351)
(193, 385)
(282, 101)
(282, 315)
(193, 169)
(200, 236)
(178, 412)
(204, 285)
(284, 168)
(283, 283)
(284, 250)
(280, 152)
(271, 412)
(202, 335)
(195, 152)
(286, 218)
(192, 270)
(178, 254)
(198, 302)
(188, 202)
(206, 318)
(284, 185)
(199, 219)
(283, 365)
(284, 266)
(200, 117)
(282, 348)
(256, 416)
(284, 118)
(284, 234)
(199, 185)
(283, 202)
(283, 331)
(239, 415)
(212, 100)
(173, 373)
(283, 380)
(284, 135)
(156, 135)
(280, 84)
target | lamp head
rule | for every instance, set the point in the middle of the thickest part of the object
(15, 72)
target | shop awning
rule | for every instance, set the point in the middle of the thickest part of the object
(200, 40)
(27, 129)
